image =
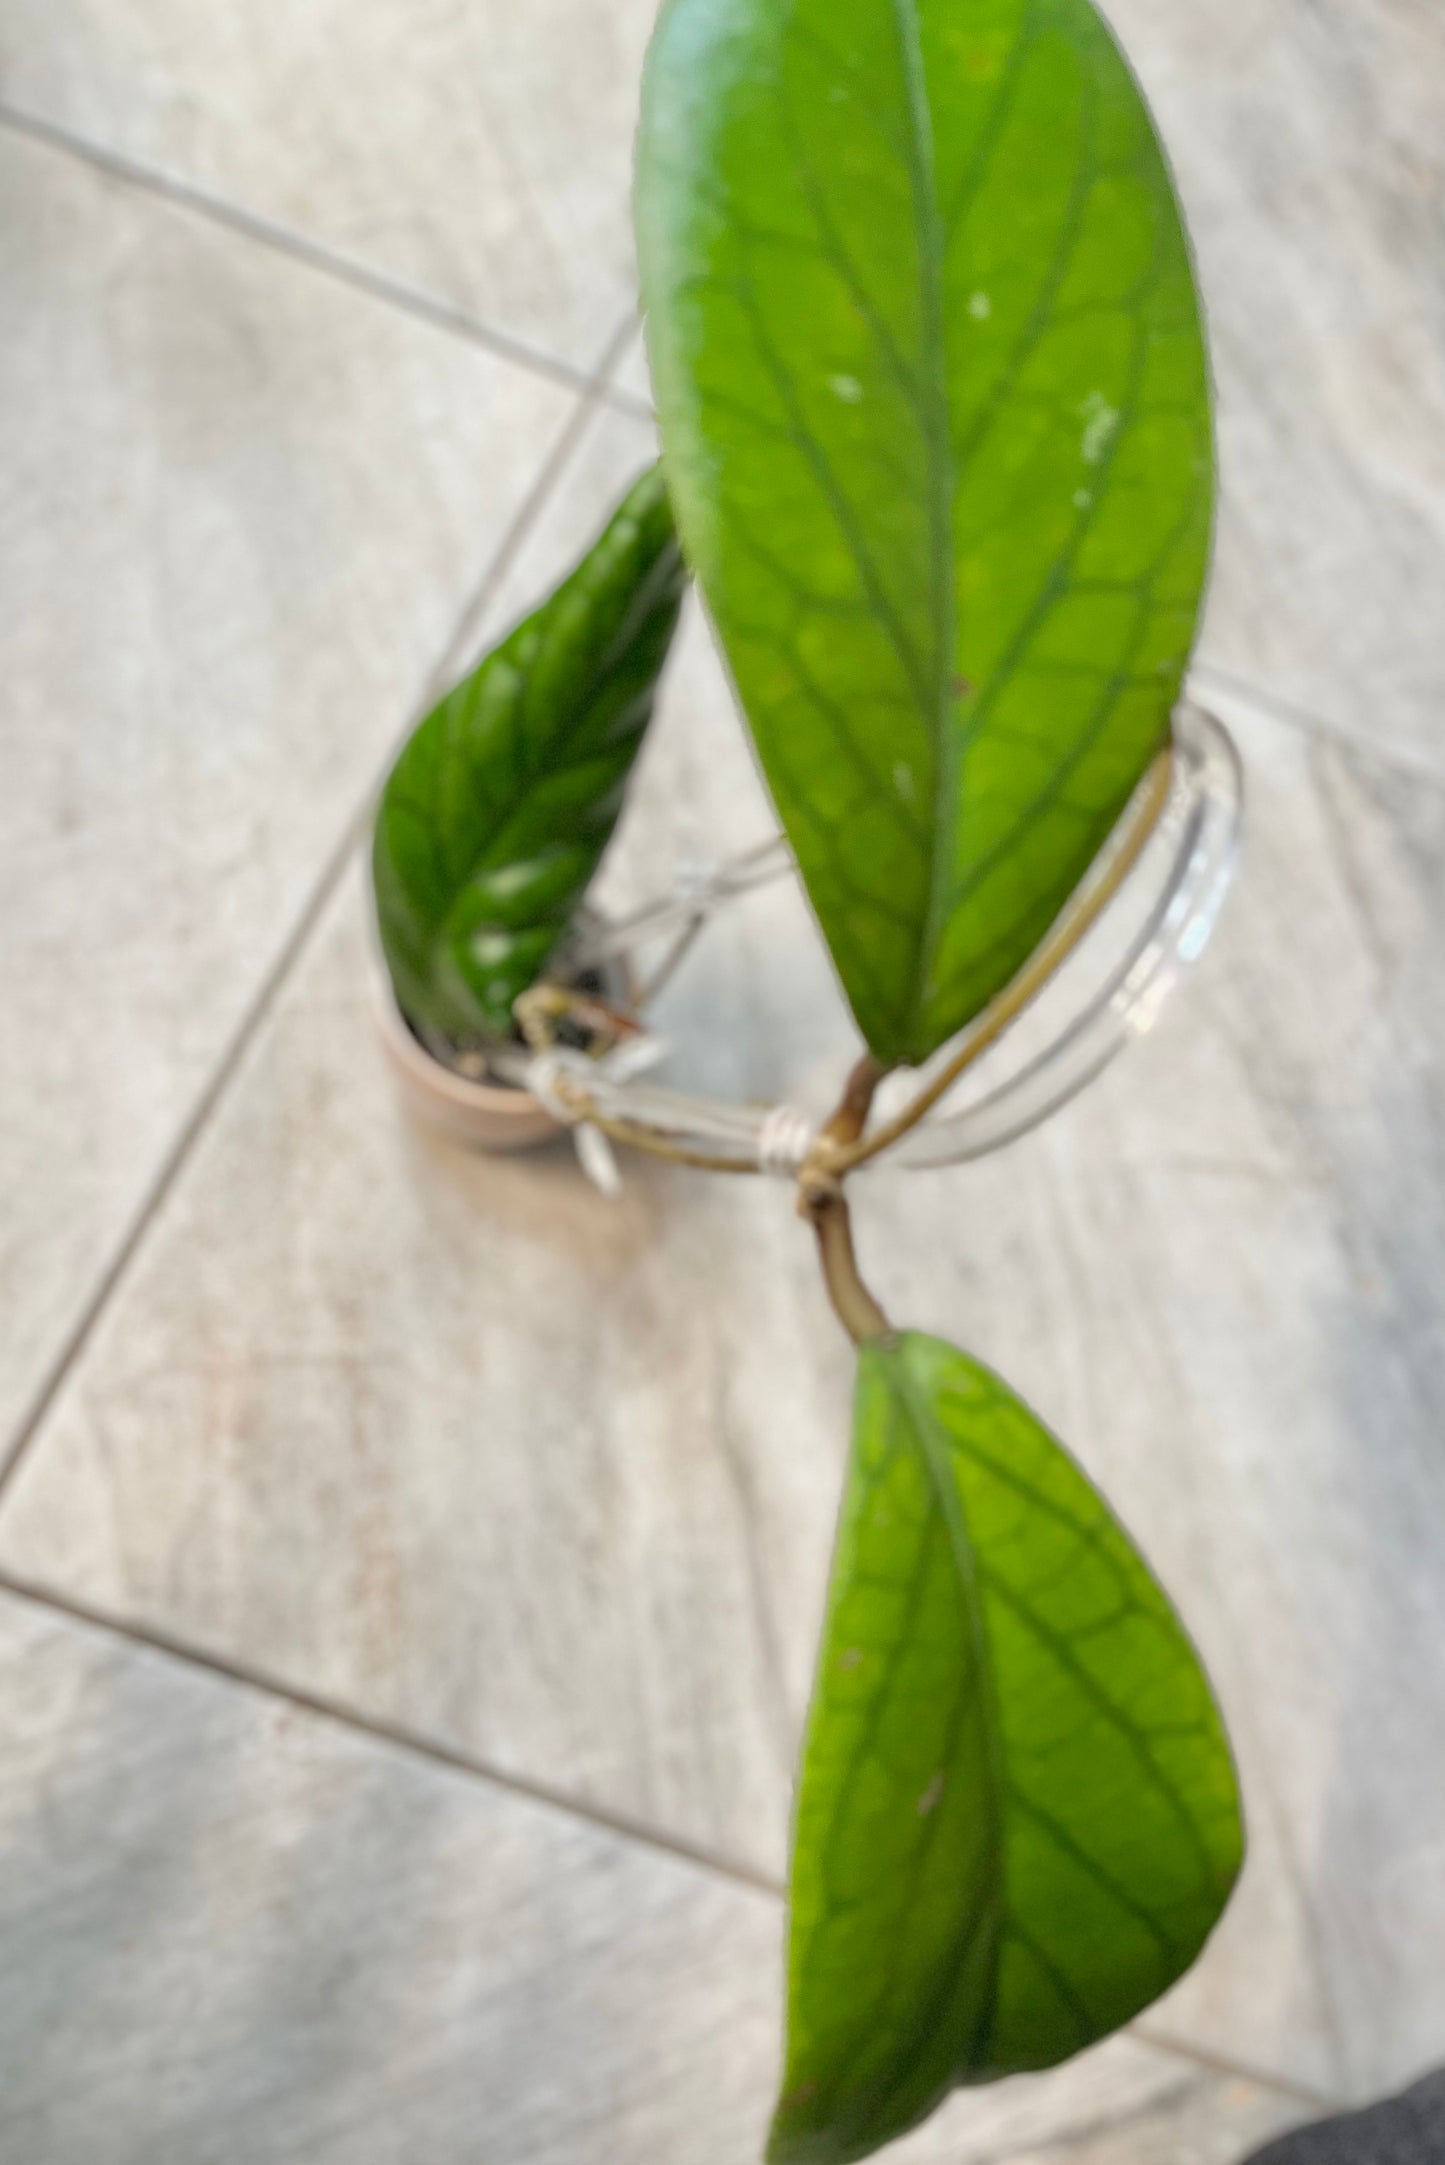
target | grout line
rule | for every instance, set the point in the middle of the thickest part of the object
(398, 1736)
(1064, 2141)
(1218, 2063)
(276, 974)
(446, 316)
(595, 387)
(381, 1731)
(455, 654)
(1208, 676)
(347, 270)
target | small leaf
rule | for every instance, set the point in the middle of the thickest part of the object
(1017, 1818)
(935, 414)
(498, 810)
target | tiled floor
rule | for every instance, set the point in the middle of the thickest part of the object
(409, 1564)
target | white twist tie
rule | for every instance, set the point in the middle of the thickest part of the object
(785, 1140)
(545, 1073)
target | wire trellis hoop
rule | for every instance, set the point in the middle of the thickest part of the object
(1147, 909)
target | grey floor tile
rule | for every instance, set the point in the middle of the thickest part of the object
(235, 1934)
(482, 154)
(507, 1437)
(1309, 141)
(633, 374)
(461, 1444)
(242, 509)
(479, 153)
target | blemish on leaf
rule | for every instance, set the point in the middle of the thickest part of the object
(980, 307)
(929, 1800)
(848, 388)
(1083, 498)
(851, 1657)
(1100, 421)
(489, 945)
(803, 2094)
(903, 782)
(963, 687)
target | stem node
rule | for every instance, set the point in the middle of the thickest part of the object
(822, 1203)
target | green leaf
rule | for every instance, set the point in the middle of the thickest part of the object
(498, 810)
(935, 412)
(1017, 1817)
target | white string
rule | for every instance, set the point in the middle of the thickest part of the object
(701, 887)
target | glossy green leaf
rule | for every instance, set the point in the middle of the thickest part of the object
(1017, 1817)
(499, 808)
(929, 365)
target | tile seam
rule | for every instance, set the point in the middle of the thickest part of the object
(277, 972)
(302, 248)
(414, 1744)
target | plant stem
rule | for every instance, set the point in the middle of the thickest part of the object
(656, 1146)
(704, 1161)
(579, 1103)
(826, 1210)
(822, 1202)
(847, 1122)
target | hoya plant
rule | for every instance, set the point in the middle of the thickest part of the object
(934, 406)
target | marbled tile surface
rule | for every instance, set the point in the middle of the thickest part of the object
(478, 153)
(1309, 141)
(236, 1933)
(545, 1483)
(242, 510)
(481, 155)
(429, 1304)
(461, 1444)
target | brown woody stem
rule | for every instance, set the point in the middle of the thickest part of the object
(850, 1117)
(822, 1202)
(826, 1209)
(579, 1103)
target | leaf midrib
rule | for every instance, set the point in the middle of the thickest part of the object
(938, 1466)
(937, 1447)
(936, 416)
(938, 1451)
(913, 1406)
(651, 595)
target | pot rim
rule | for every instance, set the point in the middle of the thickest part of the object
(453, 1100)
